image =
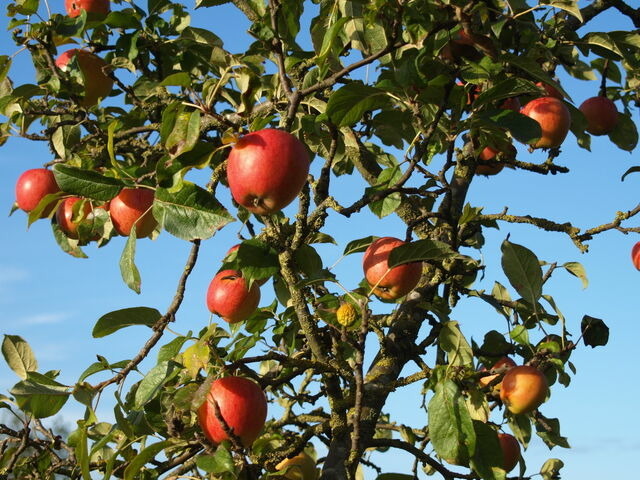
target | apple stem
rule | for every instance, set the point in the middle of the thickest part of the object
(603, 83)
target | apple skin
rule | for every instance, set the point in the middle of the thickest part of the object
(96, 9)
(97, 83)
(266, 170)
(488, 164)
(601, 114)
(503, 362)
(229, 296)
(554, 119)
(635, 255)
(133, 205)
(389, 284)
(243, 407)
(302, 467)
(523, 389)
(551, 90)
(64, 216)
(511, 103)
(510, 451)
(32, 186)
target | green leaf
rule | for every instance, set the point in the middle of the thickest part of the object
(128, 270)
(255, 259)
(180, 79)
(153, 382)
(114, 321)
(140, 460)
(18, 355)
(522, 128)
(510, 87)
(195, 358)
(522, 268)
(594, 331)
(348, 104)
(359, 245)
(550, 470)
(418, 251)
(520, 334)
(40, 395)
(86, 183)
(185, 133)
(450, 425)
(80, 450)
(625, 135)
(452, 341)
(520, 425)
(68, 245)
(549, 430)
(191, 213)
(395, 476)
(577, 269)
(631, 170)
(220, 462)
(569, 6)
(171, 349)
(487, 460)
(387, 205)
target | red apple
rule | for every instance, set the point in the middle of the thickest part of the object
(32, 186)
(554, 119)
(504, 362)
(230, 297)
(510, 451)
(511, 103)
(300, 467)
(95, 73)
(242, 405)
(489, 164)
(266, 170)
(635, 255)
(64, 216)
(133, 206)
(551, 91)
(96, 9)
(523, 389)
(601, 115)
(389, 284)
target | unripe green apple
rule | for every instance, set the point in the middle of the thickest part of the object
(266, 170)
(553, 117)
(95, 74)
(242, 405)
(230, 297)
(32, 186)
(389, 283)
(523, 389)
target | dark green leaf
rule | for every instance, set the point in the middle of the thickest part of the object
(180, 79)
(522, 128)
(549, 430)
(153, 382)
(419, 250)
(114, 321)
(520, 425)
(171, 349)
(220, 462)
(347, 105)
(86, 183)
(191, 213)
(457, 348)
(450, 425)
(522, 268)
(149, 453)
(359, 245)
(487, 459)
(18, 355)
(631, 170)
(570, 6)
(625, 134)
(594, 331)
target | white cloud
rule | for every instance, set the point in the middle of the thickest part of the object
(44, 318)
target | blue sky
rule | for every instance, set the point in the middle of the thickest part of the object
(53, 300)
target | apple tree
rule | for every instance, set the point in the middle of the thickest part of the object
(402, 103)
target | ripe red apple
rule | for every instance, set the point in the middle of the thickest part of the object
(94, 70)
(266, 170)
(300, 467)
(635, 255)
(523, 389)
(489, 164)
(504, 362)
(133, 206)
(389, 284)
(554, 119)
(96, 9)
(550, 90)
(32, 186)
(242, 405)
(230, 297)
(64, 216)
(511, 103)
(510, 451)
(601, 114)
